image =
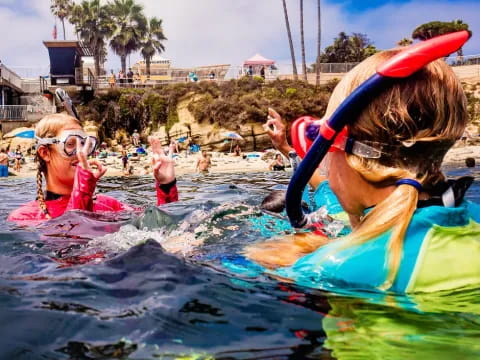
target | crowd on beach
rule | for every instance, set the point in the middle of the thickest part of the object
(132, 157)
(400, 215)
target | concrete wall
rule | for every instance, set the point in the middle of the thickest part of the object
(8, 126)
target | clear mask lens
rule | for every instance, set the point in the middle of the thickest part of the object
(71, 142)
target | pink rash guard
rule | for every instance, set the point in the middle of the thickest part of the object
(82, 198)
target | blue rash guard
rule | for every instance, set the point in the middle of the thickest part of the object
(441, 251)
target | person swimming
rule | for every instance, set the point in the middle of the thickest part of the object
(411, 227)
(62, 157)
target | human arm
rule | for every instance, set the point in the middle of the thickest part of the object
(277, 131)
(164, 173)
(86, 178)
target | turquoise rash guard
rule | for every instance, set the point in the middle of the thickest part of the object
(441, 251)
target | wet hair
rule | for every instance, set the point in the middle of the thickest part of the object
(275, 201)
(48, 127)
(470, 162)
(422, 114)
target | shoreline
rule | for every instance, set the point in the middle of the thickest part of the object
(227, 163)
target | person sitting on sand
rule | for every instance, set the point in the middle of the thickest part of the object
(62, 157)
(3, 163)
(277, 164)
(203, 163)
(410, 226)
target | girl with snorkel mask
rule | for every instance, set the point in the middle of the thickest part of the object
(412, 229)
(63, 149)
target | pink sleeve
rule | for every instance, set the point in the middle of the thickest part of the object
(166, 193)
(83, 189)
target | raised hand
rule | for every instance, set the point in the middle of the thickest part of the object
(82, 156)
(163, 165)
(276, 129)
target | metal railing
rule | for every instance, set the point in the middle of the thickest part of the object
(13, 112)
(8, 75)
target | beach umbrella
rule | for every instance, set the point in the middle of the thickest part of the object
(27, 134)
(232, 136)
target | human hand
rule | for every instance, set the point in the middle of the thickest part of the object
(93, 165)
(278, 134)
(163, 165)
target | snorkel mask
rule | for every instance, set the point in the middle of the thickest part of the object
(401, 65)
(67, 142)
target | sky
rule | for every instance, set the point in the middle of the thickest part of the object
(230, 31)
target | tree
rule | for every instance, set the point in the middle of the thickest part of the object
(405, 42)
(131, 26)
(345, 48)
(436, 28)
(62, 9)
(319, 49)
(302, 40)
(94, 25)
(152, 41)
(289, 33)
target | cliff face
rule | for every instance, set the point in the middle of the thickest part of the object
(204, 111)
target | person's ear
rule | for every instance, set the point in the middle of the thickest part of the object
(44, 153)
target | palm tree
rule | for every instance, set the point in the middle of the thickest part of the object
(292, 52)
(94, 25)
(152, 41)
(405, 42)
(304, 64)
(61, 9)
(131, 26)
(436, 28)
(319, 41)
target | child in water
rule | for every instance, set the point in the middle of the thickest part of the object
(411, 228)
(62, 157)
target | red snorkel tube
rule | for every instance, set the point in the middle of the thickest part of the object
(401, 65)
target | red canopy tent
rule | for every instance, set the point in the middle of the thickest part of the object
(254, 65)
(258, 59)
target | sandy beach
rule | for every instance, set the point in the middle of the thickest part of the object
(228, 163)
(221, 163)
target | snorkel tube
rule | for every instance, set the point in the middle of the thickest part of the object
(399, 66)
(63, 98)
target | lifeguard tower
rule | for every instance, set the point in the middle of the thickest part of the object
(66, 64)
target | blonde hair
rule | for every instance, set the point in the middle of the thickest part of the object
(424, 113)
(48, 127)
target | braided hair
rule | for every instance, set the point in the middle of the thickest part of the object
(48, 127)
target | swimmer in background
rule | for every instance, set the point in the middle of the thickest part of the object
(203, 163)
(277, 164)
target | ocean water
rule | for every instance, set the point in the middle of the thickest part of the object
(85, 286)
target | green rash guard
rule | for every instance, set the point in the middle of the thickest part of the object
(441, 251)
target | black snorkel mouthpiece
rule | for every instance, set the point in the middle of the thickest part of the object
(402, 65)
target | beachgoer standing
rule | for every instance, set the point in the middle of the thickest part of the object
(18, 159)
(262, 72)
(124, 159)
(130, 75)
(203, 163)
(135, 138)
(112, 79)
(3, 163)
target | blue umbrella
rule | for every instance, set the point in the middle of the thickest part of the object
(27, 134)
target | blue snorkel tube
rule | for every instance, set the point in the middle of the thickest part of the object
(401, 65)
